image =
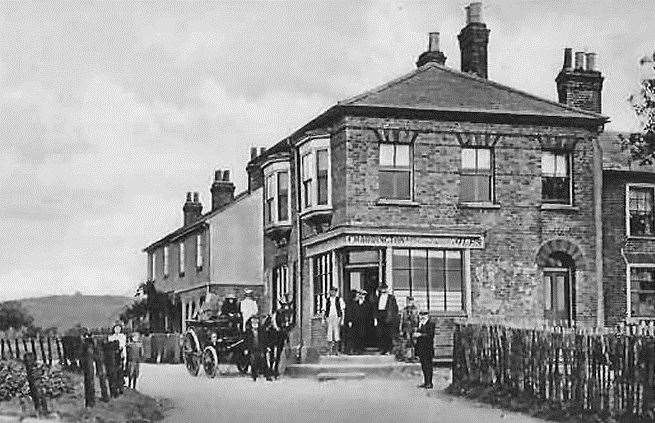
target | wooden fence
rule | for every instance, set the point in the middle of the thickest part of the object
(608, 372)
(45, 349)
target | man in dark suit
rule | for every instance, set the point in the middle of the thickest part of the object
(425, 347)
(358, 316)
(386, 318)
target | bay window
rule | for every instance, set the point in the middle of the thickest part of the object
(166, 264)
(395, 171)
(199, 258)
(433, 277)
(315, 171)
(642, 290)
(476, 177)
(181, 258)
(276, 193)
(556, 180)
(641, 214)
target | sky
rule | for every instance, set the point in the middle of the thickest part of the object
(111, 111)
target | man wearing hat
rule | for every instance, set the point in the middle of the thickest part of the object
(358, 317)
(408, 325)
(386, 318)
(334, 314)
(248, 307)
(425, 347)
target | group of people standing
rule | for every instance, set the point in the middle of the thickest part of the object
(375, 320)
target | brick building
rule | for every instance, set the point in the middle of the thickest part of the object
(628, 235)
(473, 197)
(219, 251)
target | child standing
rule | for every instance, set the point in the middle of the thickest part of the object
(134, 357)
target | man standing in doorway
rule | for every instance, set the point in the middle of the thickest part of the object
(425, 347)
(385, 319)
(248, 307)
(334, 314)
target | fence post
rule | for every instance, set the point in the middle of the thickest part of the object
(87, 368)
(34, 381)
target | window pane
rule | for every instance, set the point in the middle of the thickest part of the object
(561, 165)
(386, 154)
(555, 190)
(402, 185)
(435, 270)
(483, 188)
(386, 184)
(419, 271)
(400, 279)
(322, 187)
(484, 158)
(454, 271)
(402, 155)
(547, 292)
(400, 259)
(468, 158)
(307, 168)
(547, 163)
(322, 160)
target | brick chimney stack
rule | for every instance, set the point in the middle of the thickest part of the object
(433, 54)
(192, 208)
(579, 83)
(255, 176)
(222, 189)
(473, 41)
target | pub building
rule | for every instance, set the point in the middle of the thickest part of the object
(474, 198)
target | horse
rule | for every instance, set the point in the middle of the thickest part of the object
(281, 325)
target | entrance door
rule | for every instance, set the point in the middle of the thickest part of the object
(366, 278)
(557, 294)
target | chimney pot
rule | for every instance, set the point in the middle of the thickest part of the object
(218, 175)
(591, 61)
(434, 42)
(196, 197)
(262, 150)
(568, 56)
(474, 13)
(226, 176)
(253, 153)
(579, 60)
(188, 196)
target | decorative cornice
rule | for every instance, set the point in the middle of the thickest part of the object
(477, 139)
(395, 135)
(557, 142)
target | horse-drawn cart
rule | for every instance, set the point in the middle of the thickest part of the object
(214, 341)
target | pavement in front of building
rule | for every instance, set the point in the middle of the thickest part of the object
(235, 398)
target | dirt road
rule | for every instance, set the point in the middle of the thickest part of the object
(236, 399)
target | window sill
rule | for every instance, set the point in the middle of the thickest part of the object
(316, 211)
(272, 225)
(641, 237)
(394, 202)
(479, 205)
(460, 313)
(560, 207)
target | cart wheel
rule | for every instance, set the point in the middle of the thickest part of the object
(210, 361)
(190, 354)
(242, 361)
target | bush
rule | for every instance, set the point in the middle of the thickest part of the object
(13, 381)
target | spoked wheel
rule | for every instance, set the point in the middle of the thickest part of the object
(191, 353)
(242, 361)
(210, 361)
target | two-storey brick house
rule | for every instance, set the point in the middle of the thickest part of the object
(219, 251)
(473, 197)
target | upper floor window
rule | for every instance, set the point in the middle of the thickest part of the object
(199, 258)
(556, 180)
(181, 258)
(166, 264)
(276, 193)
(315, 172)
(395, 171)
(476, 177)
(641, 216)
(642, 290)
(153, 269)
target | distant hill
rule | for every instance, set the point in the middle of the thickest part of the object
(64, 311)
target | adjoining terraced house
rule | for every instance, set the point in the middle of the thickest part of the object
(473, 197)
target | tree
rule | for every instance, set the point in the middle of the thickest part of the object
(13, 315)
(641, 145)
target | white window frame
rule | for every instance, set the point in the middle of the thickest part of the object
(281, 286)
(627, 208)
(569, 158)
(272, 170)
(181, 258)
(476, 171)
(399, 169)
(199, 252)
(310, 146)
(628, 286)
(167, 262)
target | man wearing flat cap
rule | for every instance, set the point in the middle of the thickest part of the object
(425, 347)
(335, 309)
(386, 319)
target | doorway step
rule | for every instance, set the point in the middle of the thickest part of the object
(354, 367)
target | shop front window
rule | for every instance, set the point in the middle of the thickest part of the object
(322, 279)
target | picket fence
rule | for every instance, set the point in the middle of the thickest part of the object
(45, 349)
(605, 371)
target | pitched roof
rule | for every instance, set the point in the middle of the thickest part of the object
(617, 158)
(436, 87)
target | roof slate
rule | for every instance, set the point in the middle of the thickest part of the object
(436, 87)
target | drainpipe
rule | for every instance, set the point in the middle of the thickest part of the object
(598, 220)
(299, 284)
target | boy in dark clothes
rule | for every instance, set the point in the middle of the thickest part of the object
(134, 357)
(257, 345)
